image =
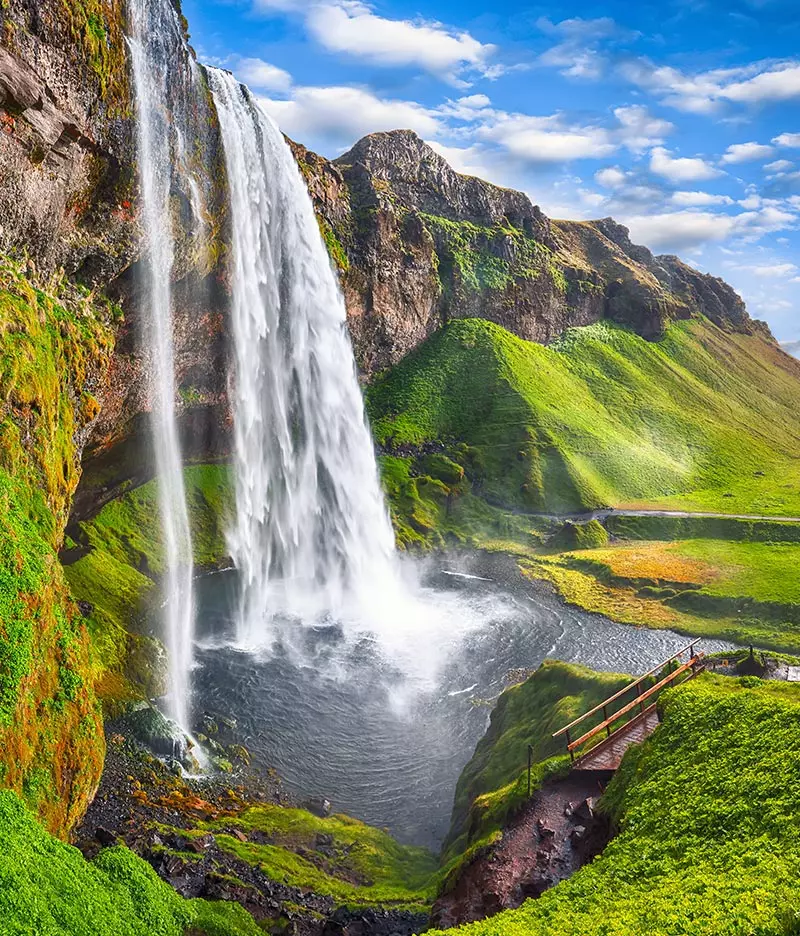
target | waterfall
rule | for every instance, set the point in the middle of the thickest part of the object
(312, 537)
(155, 34)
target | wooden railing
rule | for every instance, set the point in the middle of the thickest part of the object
(643, 695)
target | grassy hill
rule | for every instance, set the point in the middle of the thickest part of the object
(707, 810)
(702, 420)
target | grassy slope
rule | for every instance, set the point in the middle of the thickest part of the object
(738, 590)
(708, 811)
(494, 781)
(48, 888)
(118, 574)
(604, 417)
(357, 865)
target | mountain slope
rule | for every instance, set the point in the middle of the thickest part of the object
(704, 418)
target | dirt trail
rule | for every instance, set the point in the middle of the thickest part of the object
(556, 834)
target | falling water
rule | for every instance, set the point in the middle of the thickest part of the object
(312, 537)
(155, 34)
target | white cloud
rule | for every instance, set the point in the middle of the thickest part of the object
(706, 92)
(699, 199)
(577, 53)
(352, 28)
(260, 75)
(333, 118)
(747, 152)
(774, 271)
(780, 165)
(787, 139)
(683, 230)
(681, 169)
(612, 177)
(547, 139)
(779, 84)
(639, 130)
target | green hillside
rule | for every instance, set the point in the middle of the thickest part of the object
(708, 812)
(701, 420)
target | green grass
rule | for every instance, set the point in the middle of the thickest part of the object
(47, 888)
(494, 782)
(742, 591)
(604, 417)
(708, 810)
(119, 574)
(357, 865)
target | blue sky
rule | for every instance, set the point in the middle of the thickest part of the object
(681, 119)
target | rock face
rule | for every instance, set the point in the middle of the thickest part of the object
(418, 244)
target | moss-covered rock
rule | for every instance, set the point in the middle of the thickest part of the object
(54, 348)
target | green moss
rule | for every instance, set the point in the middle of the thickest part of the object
(55, 343)
(355, 864)
(48, 888)
(98, 27)
(472, 258)
(591, 535)
(120, 571)
(708, 810)
(335, 249)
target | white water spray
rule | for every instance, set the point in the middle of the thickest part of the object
(312, 537)
(155, 32)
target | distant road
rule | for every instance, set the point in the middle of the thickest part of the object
(685, 514)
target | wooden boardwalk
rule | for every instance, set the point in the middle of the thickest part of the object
(627, 717)
(607, 755)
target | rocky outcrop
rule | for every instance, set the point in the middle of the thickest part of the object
(418, 244)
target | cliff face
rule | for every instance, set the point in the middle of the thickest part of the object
(418, 244)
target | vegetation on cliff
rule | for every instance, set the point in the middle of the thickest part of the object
(494, 782)
(707, 811)
(48, 888)
(55, 343)
(114, 563)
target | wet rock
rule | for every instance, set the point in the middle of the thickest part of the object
(319, 806)
(584, 812)
(578, 834)
(105, 837)
(200, 843)
(161, 735)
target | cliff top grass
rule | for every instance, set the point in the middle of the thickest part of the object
(48, 888)
(605, 417)
(708, 810)
(340, 857)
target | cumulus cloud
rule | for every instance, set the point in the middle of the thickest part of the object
(260, 75)
(547, 139)
(680, 169)
(352, 28)
(706, 92)
(747, 152)
(683, 230)
(778, 84)
(332, 118)
(779, 166)
(639, 129)
(699, 199)
(787, 139)
(612, 177)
